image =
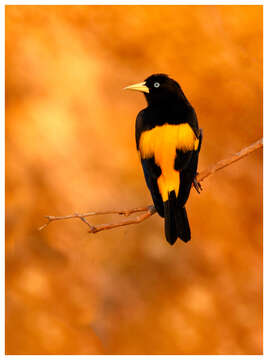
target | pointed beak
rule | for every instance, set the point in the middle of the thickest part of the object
(138, 87)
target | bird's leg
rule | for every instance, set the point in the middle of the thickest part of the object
(197, 184)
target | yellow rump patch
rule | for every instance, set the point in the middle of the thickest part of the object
(162, 143)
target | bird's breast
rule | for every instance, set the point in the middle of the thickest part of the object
(166, 139)
(161, 142)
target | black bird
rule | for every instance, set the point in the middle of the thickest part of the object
(169, 140)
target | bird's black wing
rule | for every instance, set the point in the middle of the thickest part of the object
(186, 162)
(192, 120)
(184, 159)
(150, 169)
(140, 126)
(188, 172)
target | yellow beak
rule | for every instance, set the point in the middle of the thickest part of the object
(138, 87)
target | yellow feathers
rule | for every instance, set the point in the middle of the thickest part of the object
(180, 137)
(162, 142)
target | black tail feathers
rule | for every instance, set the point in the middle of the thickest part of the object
(176, 221)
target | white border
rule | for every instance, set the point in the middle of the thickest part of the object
(265, 99)
(137, 2)
(2, 160)
(2, 178)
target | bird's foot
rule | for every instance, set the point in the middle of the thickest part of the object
(197, 185)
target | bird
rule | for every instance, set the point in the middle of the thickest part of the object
(168, 140)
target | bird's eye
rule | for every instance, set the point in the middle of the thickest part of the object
(156, 84)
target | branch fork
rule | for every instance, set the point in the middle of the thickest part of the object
(150, 210)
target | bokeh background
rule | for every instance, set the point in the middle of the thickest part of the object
(70, 148)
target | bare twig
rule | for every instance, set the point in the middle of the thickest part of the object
(150, 210)
(228, 161)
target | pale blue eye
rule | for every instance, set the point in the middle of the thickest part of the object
(156, 84)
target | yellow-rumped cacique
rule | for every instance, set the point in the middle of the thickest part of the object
(168, 140)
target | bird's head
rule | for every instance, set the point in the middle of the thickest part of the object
(159, 89)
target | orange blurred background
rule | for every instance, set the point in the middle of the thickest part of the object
(70, 147)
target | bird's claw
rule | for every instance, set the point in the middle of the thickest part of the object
(197, 186)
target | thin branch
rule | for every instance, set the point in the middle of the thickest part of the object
(150, 210)
(231, 159)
